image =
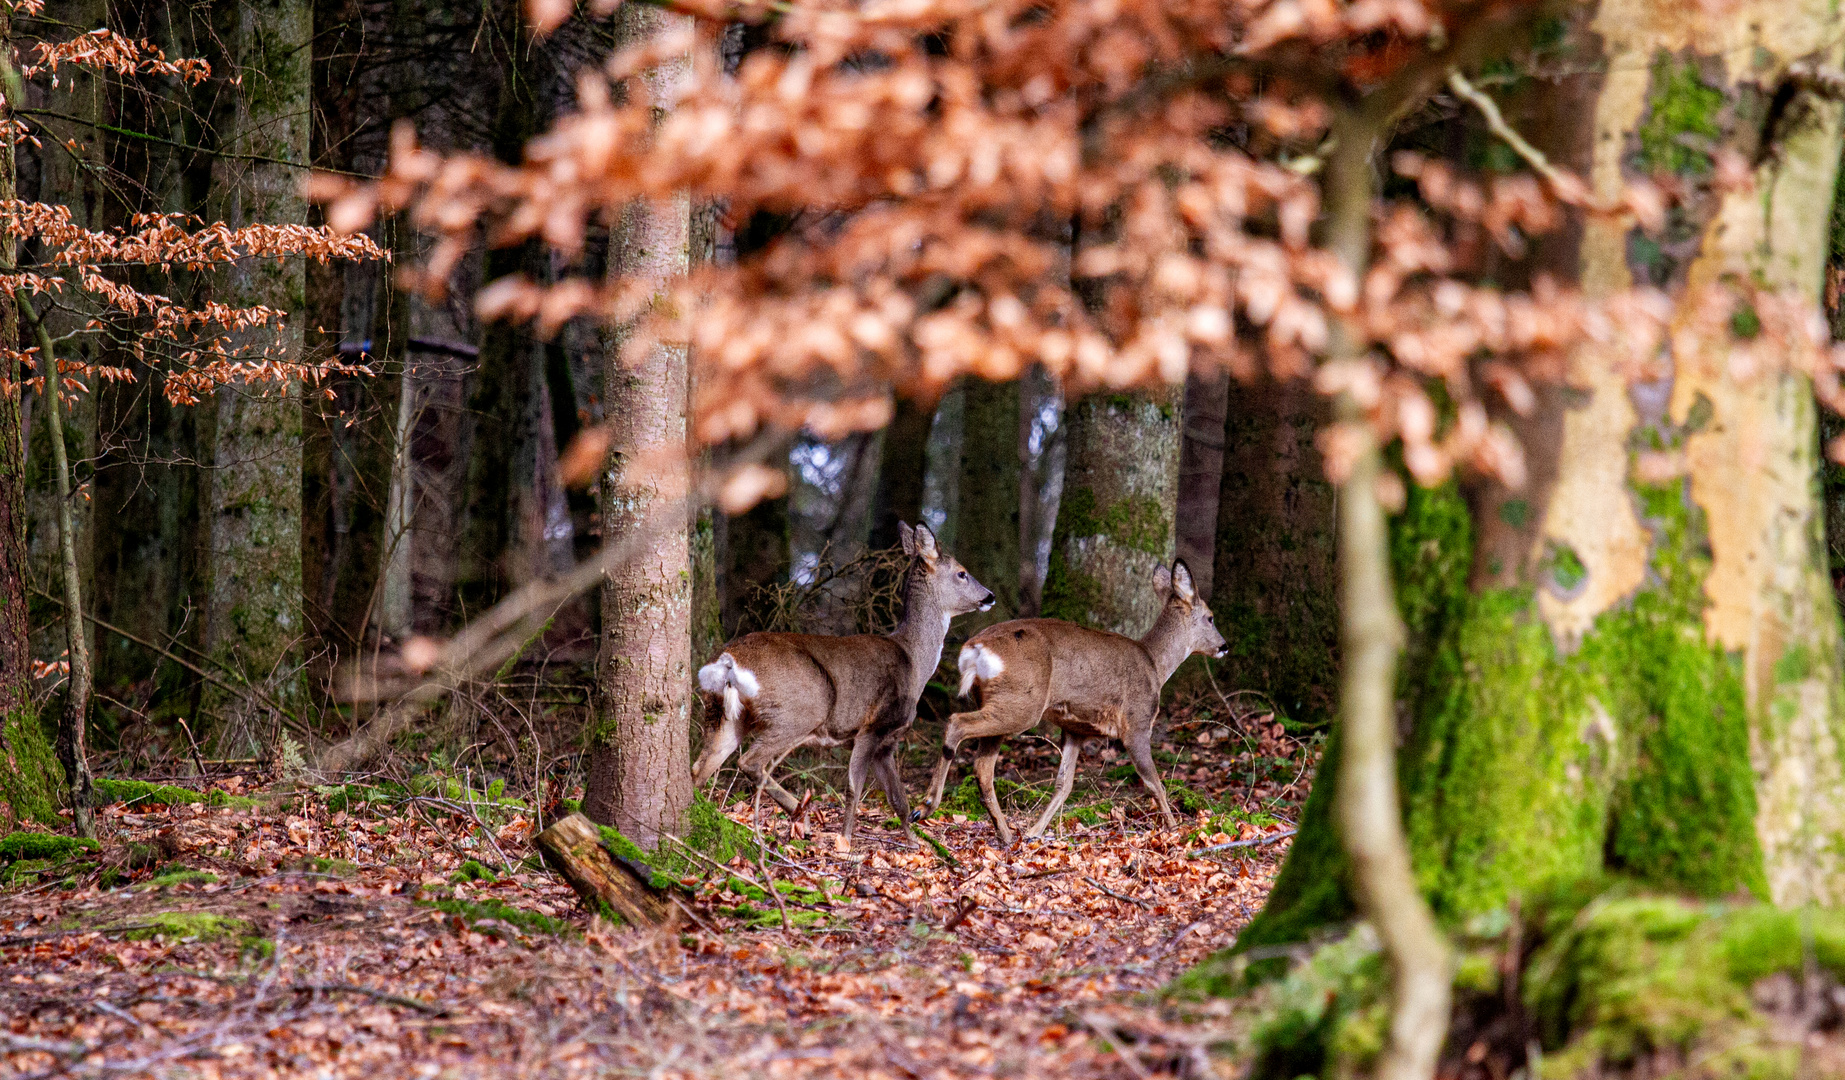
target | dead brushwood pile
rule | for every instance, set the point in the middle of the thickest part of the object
(344, 931)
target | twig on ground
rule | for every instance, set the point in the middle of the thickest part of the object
(1257, 842)
(1129, 1056)
(379, 995)
(1113, 893)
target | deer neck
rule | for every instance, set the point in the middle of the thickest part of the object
(1166, 642)
(921, 633)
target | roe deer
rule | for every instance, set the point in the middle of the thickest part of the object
(789, 690)
(1091, 683)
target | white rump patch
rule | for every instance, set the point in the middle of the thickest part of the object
(733, 704)
(724, 673)
(978, 661)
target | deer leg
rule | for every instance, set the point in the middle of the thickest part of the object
(986, 759)
(1140, 752)
(724, 740)
(756, 763)
(856, 771)
(1066, 779)
(885, 762)
(951, 742)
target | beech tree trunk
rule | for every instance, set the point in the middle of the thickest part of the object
(254, 624)
(1274, 589)
(1115, 521)
(1648, 682)
(1201, 474)
(987, 498)
(640, 764)
(30, 780)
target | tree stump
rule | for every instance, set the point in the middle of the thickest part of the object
(573, 848)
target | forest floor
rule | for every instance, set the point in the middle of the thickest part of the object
(299, 931)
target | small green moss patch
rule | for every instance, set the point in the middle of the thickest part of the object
(142, 793)
(203, 925)
(46, 846)
(475, 912)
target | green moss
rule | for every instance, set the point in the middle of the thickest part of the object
(203, 925)
(631, 853)
(142, 793)
(1529, 764)
(473, 912)
(1069, 594)
(30, 778)
(315, 864)
(1634, 976)
(1682, 119)
(711, 833)
(1138, 523)
(473, 871)
(47, 846)
(181, 875)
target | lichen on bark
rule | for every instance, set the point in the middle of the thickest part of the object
(1114, 525)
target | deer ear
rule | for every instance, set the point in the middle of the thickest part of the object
(1162, 582)
(908, 536)
(1182, 582)
(925, 544)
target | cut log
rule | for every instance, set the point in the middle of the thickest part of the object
(573, 847)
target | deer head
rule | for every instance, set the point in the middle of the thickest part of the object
(1197, 629)
(937, 575)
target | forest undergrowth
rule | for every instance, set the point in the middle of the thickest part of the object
(409, 927)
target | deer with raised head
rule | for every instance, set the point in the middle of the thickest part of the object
(1091, 683)
(790, 690)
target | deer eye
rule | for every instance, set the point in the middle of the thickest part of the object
(962, 574)
(1210, 618)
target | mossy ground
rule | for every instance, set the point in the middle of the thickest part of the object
(1611, 981)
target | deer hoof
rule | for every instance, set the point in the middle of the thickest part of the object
(921, 812)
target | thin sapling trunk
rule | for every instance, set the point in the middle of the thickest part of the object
(72, 734)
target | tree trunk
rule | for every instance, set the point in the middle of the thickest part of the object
(640, 767)
(29, 776)
(254, 624)
(987, 497)
(1201, 475)
(899, 496)
(1274, 589)
(1649, 684)
(1114, 524)
(754, 547)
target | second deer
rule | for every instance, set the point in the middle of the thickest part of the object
(789, 690)
(1091, 683)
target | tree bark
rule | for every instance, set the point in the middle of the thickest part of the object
(73, 729)
(1275, 586)
(1201, 475)
(254, 623)
(573, 847)
(640, 775)
(1651, 686)
(899, 495)
(1115, 521)
(987, 498)
(29, 780)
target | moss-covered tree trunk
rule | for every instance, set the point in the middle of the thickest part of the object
(1636, 665)
(640, 760)
(29, 775)
(1114, 523)
(1275, 586)
(987, 497)
(253, 617)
